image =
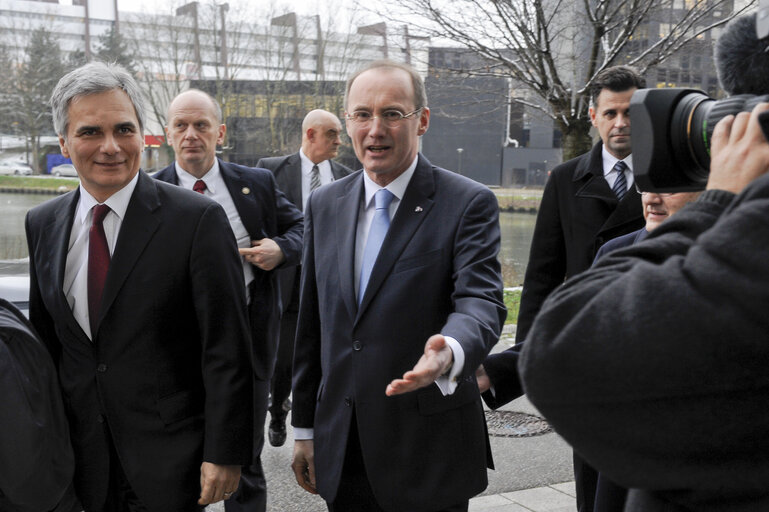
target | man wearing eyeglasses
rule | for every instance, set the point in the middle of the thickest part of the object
(657, 207)
(401, 300)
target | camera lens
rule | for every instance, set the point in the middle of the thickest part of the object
(672, 130)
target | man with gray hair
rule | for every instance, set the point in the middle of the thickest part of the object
(137, 291)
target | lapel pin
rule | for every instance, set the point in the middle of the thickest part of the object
(418, 209)
(246, 190)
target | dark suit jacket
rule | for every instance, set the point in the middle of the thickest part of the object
(578, 214)
(437, 272)
(668, 394)
(168, 370)
(266, 213)
(620, 242)
(288, 175)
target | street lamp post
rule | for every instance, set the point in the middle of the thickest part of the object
(459, 160)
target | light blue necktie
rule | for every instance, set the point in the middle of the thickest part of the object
(376, 235)
(620, 185)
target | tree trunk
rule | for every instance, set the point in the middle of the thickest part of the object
(576, 139)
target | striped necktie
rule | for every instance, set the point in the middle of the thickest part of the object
(314, 178)
(620, 185)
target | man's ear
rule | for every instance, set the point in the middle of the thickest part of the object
(63, 147)
(222, 133)
(424, 121)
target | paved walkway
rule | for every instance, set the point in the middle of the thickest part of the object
(551, 498)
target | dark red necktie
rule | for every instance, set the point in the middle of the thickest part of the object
(98, 264)
(199, 186)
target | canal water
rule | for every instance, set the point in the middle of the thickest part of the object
(517, 229)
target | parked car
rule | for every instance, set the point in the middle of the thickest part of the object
(15, 289)
(13, 167)
(64, 170)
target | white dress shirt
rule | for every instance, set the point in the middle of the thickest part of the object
(324, 171)
(75, 285)
(217, 190)
(610, 174)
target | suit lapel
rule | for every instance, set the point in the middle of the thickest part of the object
(140, 223)
(628, 210)
(336, 170)
(413, 209)
(168, 175)
(346, 215)
(244, 197)
(61, 227)
(289, 179)
(590, 173)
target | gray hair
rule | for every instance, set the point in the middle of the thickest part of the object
(420, 95)
(93, 78)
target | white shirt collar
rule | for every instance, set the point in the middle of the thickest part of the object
(397, 186)
(306, 162)
(187, 180)
(609, 160)
(118, 202)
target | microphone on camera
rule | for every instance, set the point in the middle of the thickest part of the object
(742, 58)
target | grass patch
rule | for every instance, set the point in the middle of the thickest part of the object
(518, 201)
(38, 182)
(513, 303)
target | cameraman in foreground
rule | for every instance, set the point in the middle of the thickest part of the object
(654, 364)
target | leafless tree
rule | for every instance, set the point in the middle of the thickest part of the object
(554, 48)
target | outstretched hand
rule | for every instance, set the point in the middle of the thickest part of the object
(435, 361)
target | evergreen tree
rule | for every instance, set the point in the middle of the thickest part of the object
(76, 59)
(112, 48)
(32, 85)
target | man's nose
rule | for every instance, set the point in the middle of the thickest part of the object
(109, 145)
(190, 133)
(376, 127)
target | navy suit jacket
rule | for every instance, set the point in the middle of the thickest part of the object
(620, 242)
(288, 175)
(437, 272)
(168, 371)
(266, 213)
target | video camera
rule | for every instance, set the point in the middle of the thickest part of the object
(672, 128)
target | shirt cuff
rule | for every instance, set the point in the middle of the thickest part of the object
(448, 383)
(303, 434)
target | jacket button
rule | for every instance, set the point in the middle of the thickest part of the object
(347, 401)
(356, 345)
(100, 418)
(101, 368)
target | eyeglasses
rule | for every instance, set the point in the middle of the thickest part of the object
(661, 194)
(389, 117)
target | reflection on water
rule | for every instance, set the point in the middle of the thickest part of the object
(517, 229)
(13, 242)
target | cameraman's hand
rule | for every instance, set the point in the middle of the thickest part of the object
(740, 152)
